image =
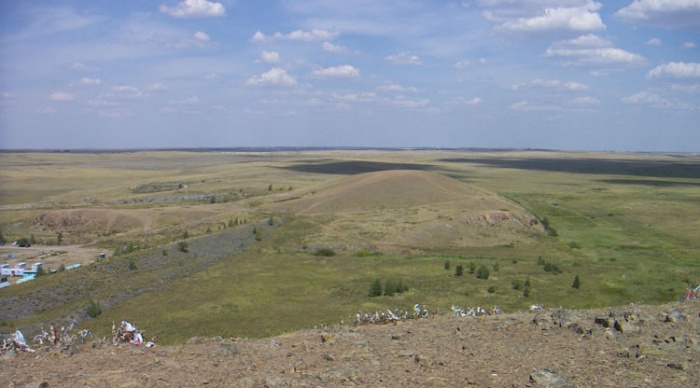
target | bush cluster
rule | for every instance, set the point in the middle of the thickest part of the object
(390, 288)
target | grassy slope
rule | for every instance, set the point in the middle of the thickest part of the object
(631, 237)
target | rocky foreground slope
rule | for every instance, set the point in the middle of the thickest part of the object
(652, 346)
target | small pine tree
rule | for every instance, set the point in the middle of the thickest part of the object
(185, 234)
(59, 238)
(447, 265)
(526, 292)
(472, 267)
(491, 289)
(389, 288)
(375, 289)
(577, 283)
(459, 270)
(271, 221)
(94, 309)
(540, 261)
(527, 283)
(517, 285)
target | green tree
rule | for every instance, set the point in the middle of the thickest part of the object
(482, 273)
(94, 309)
(577, 283)
(459, 270)
(59, 238)
(389, 288)
(375, 289)
(491, 289)
(472, 267)
(527, 282)
(447, 265)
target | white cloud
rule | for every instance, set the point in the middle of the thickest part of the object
(90, 81)
(275, 77)
(258, 37)
(464, 101)
(466, 63)
(199, 35)
(580, 18)
(187, 101)
(586, 100)
(269, 57)
(194, 8)
(127, 91)
(666, 13)
(525, 106)
(409, 103)
(675, 70)
(316, 35)
(688, 45)
(82, 67)
(157, 87)
(552, 84)
(403, 58)
(590, 50)
(654, 42)
(395, 88)
(337, 49)
(342, 71)
(61, 96)
(645, 98)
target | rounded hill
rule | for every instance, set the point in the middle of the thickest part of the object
(406, 208)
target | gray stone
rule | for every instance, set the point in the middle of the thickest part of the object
(550, 378)
(625, 327)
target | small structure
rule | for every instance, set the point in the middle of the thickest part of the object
(4, 282)
(17, 270)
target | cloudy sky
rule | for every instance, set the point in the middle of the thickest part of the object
(558, 74)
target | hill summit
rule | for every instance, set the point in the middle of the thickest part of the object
(411, 209)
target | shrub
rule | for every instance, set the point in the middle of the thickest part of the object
(94, 309)
(526, 292)
(552, 268)
(540, 261)
(482, 273)
(375, 289)
(132, 264)
(447, 265)
(491, 289)
(459, 270)
(183, 246)
(472, 267)
(517, 285)
(577, 283)
(389, 288)
(495, 267)
(327, 252)
(527, 283)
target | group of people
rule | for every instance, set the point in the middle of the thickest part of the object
(692, 293)
(128, 333)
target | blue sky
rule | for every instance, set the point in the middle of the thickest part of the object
(558, 74)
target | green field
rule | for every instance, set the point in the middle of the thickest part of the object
(626, 224)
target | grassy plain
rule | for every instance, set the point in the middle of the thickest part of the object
(627, 224)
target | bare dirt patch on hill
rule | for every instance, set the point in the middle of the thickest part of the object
(410, 209)
(645, 346)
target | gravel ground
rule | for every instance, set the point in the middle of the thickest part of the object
(652, 346)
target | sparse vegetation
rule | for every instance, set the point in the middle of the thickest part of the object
(183, 246)
(94, 309)
(327, 252)
(577, 283)
(482, 272)
(652, 245)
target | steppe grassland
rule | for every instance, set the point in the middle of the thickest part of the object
(630, 235)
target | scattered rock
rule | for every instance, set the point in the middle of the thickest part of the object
(549, 378)
(677, 365)
(626, 327)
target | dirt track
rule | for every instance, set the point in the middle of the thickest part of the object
(647, 346)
